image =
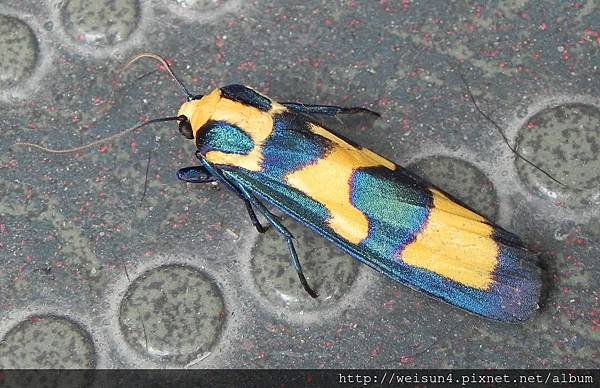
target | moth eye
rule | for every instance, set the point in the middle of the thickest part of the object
(185, 128)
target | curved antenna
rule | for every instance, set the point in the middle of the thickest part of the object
(503, 135)
(99, 141)
(117, 80)
(163, 62)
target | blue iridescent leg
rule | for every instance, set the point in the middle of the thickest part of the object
(247, 196)
(199, 174)
(286, 234)
(328, 110)
(195, 174)
(253, 218)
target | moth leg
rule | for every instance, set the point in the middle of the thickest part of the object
(200, 174)
(253, 218)
(195, 174)
(286, 234)
(328, 110)
(251, 200)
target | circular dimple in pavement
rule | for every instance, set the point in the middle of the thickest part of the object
(100, 22)
(19, 48)
(329, 271)
(47, 341)
(174, 313)
(563, 141)
(460, 179)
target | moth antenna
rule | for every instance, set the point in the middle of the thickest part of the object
(499, 129)
(97, 142)
(115, 83)
(163, 62)
(117, 79)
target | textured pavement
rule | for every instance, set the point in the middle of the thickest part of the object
(100, 269)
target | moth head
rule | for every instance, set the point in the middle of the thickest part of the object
(194, 113)
(185, 114)
(185, 127)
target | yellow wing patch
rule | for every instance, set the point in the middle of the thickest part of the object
(455, 243)
(328, 182)
(380, 160)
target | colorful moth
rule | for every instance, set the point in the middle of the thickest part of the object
(381, 214)
(378, 212)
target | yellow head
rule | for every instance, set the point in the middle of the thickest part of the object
(196, 112)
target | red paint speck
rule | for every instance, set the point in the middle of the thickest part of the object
(405, 360)
(595, 35)
(384, 101)
(588, 31)
(565, 55)
(543, 26)
(573, 239)
(104, 149)
(389, 303)
(530, 125)
(35, 320)
(328, 22)
(316, 64)
(10, 164)
(353, 23)
(161, 67)
(376, 350)
(247, 66)
(427, 37)
(405, 5)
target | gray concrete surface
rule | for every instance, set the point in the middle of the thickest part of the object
(94, 276)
